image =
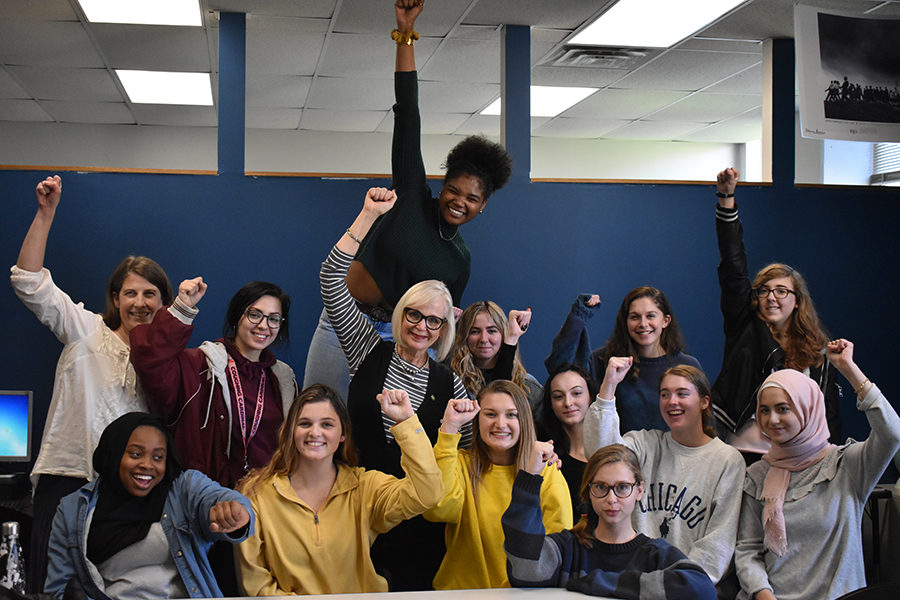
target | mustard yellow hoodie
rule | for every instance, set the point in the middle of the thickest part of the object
(475, 557)
(298, 551)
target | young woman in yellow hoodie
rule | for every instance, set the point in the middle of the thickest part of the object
(478, 484)
(317, 514)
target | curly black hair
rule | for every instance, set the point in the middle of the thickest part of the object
(478, 156)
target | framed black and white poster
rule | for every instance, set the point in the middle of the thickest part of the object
(848, 72)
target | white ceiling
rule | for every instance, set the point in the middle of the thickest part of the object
(327, 65)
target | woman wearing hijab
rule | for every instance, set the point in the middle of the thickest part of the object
(799, 534)
(143, 528)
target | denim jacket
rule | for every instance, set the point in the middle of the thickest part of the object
(185, 521)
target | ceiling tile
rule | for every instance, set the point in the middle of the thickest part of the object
(733, 131)
(748, 81)
(340, 120)
(10, 88)
(89, 112)
(560, 15)
(61, 44)
(321, 9)
(708, 108)
(332, 92)
(175, 115)
(763, 19)
(153, 47)
(366, 56)
(282, 46)
(277, 91)
(60, 83)
(488, 125)
(272, 118)
(575, 76)
(366, 16)
(432, 123)
(577, 128)
(439, 96)
(458, 60)
(622, 104)
(45, 10)
(22, 110)
(653, 130)
(687, 70)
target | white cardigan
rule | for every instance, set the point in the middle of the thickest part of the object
(94, 384)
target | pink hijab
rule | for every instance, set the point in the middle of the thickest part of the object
(807, 448)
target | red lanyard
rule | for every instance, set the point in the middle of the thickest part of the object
(242, 414)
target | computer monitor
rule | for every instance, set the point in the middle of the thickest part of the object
(15, 426)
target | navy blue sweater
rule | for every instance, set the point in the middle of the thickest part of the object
(642, 568)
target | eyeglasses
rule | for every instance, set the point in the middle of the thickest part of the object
(415, 317)
(254, 316)
(780, 292)
(621, 489)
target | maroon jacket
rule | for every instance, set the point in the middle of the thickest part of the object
(190, 389)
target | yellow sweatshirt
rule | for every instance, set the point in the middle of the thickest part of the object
(475, 557)
(297, 551)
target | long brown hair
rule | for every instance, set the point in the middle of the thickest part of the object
(480, 462)
(620, 343)
(585, 527)
(462, 362)
(285, 458)
(701, 383)
(805, 334)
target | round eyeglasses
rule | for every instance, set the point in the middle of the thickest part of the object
(255, 316)
(621, 489)
(779, 292)
(431, 322)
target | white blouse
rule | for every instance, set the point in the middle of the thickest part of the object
(94, 384)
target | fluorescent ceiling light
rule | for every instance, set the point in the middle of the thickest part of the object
(163, 87)
(652, 23)
(548, 101)
(143, 12)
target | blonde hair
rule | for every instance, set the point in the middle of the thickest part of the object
(425, 292)
(462, 362)
(584, 528)
(480, 462)
(805, 334)
(284, 460)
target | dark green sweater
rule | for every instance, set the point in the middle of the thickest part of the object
(405, 245)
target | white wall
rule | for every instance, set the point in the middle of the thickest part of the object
(151, 147)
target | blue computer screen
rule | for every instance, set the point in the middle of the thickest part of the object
(15, 421)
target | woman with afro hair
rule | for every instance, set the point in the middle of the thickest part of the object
(430, 246)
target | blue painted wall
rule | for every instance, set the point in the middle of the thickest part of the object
(536, 245)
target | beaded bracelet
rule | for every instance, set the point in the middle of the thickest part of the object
(408, 38)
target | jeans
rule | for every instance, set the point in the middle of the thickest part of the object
(326, 362)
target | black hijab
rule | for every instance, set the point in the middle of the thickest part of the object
(121, 519)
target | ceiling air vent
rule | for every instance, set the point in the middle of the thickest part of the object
(600, 57)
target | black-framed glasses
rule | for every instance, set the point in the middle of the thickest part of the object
(431, 322)
(256, 316)
(780, 292)
(621, 489)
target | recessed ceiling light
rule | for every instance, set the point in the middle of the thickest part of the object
(548, 101)
(143, 12)
(163, 87)
(652, 23)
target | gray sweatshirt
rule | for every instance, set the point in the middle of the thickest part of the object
(692, 495)
(823, 509)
